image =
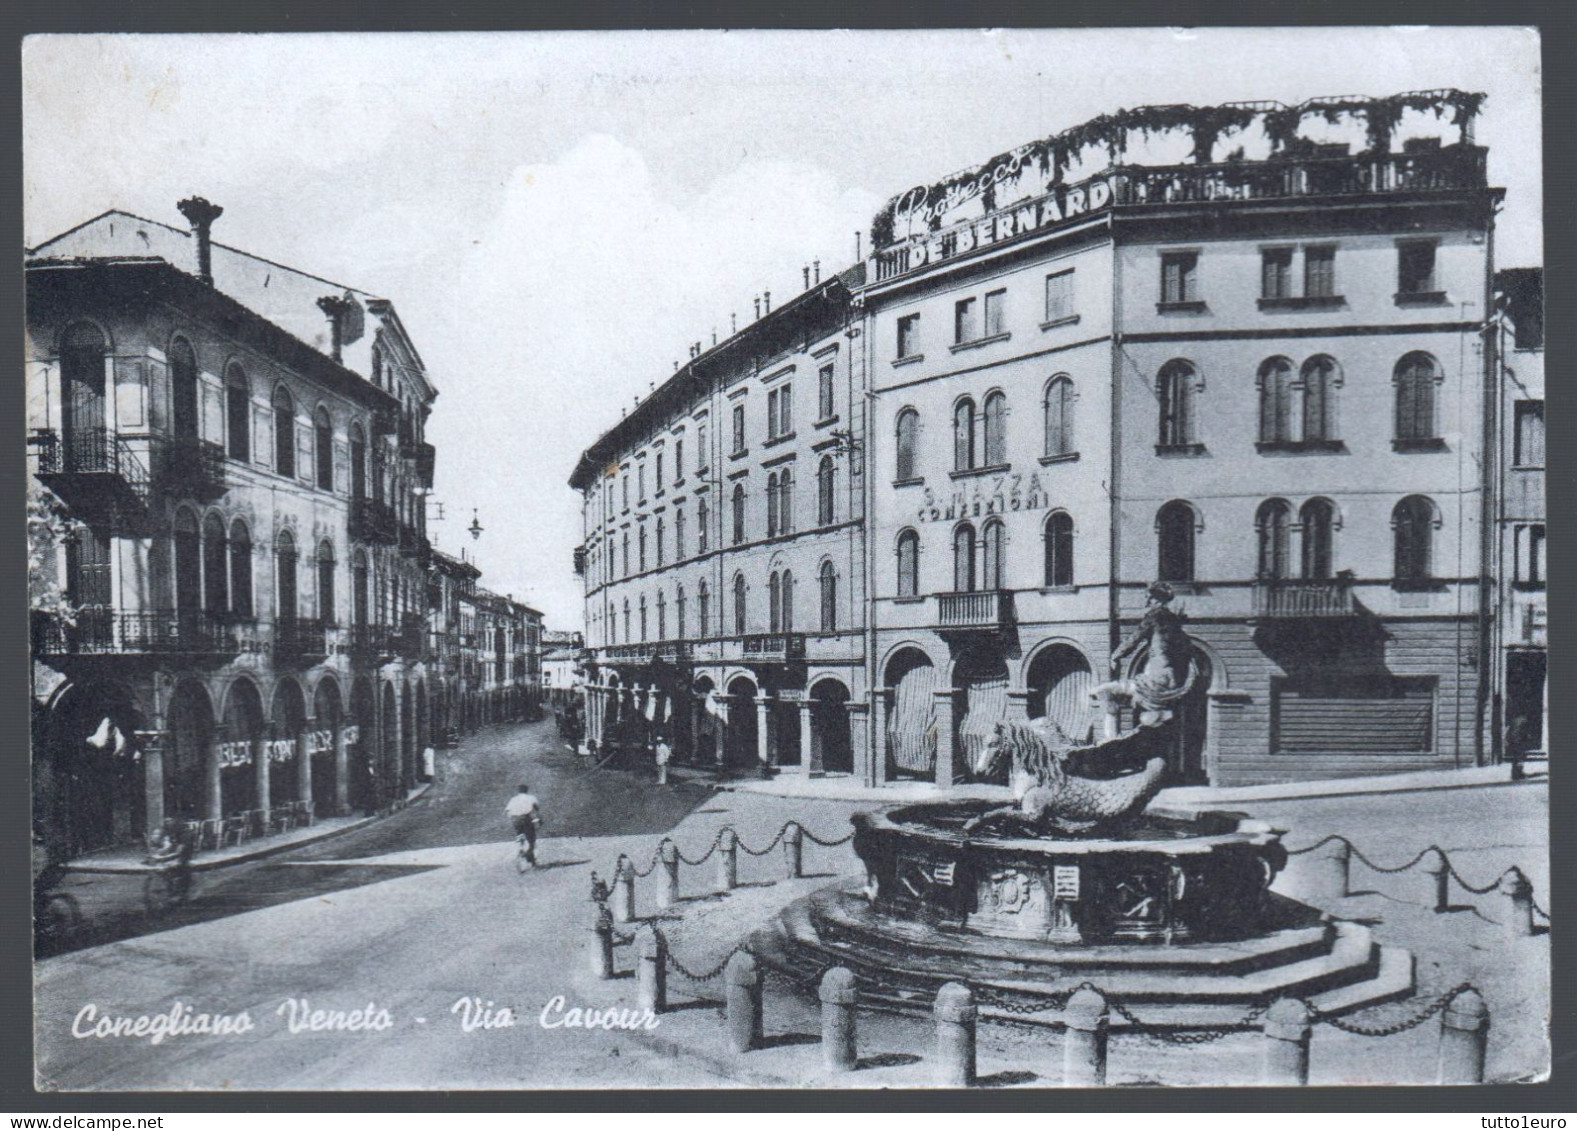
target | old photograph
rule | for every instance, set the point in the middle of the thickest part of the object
(755, 559)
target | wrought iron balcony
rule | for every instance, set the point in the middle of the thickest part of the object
(775, 646)
(1303, 600)
(373, 520)
(371, 643)
(301, 641)
(987, 609)
(193, 636)
(190, 467)
(426, 463)
(672, 651)
(95, 474)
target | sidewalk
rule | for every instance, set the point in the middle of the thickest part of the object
(125, 859)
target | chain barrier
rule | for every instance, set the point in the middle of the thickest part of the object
(1457, 876)
(625, 864)
(629, 864)
(1543, 913)
(1392, 871)
(1414, 1022)
(1319, 844)
(748, 851)
(705, 856)
(1201, 1035)
(810, 836)
(684, 971)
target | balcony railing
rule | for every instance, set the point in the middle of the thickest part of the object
(301, 641)
(410, 642)
(95, 474)
(371, 643)
(1303, 600)
(191, 467)
(372, 520)
(673, 651)
(426, 463)
(984, 609)
(776, 646)
(100, 631)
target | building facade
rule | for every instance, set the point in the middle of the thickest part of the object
(228, 460)
(1265, 380)
(723, 553)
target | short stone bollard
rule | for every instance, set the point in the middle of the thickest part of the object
(668, 878)
(1334, 869)
(1519, 903)
(651, 973)
(624, 894)
(1464, 1034)
(742, 1001)
(1440, 873)
(602, 948)
(1287, 1026)
(956, 1018)
(794, 850)
(727, 860)
(1087, 1021)
(839, 1044)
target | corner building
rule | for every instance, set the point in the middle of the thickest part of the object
(1262, 381)
(724, 550)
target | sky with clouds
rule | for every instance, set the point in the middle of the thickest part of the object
(557, 216)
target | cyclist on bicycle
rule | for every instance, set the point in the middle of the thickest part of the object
(526, 816)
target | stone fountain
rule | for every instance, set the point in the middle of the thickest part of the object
(1082, 880)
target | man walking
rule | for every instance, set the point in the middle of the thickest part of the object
(663, 753)
(525, 815)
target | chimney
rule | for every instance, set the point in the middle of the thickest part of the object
(201, 214)
(818, 271)
(336, 307)
(805, 273)
(733, 324)
(856, 247)
(714, 335)
(766, 297)
(758, 308)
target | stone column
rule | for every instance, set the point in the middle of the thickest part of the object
(876, 749)
(764, 730)
(304, 762)
(260, 765)
(1018, 706)
(341, 771)
(1224, 708)
(720, 751)
(860, 739)
(213, 794)
(809, 748)
(151, 743)
(697, 713)
(945, 738)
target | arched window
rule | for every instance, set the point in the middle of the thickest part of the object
(825, 474)
(829, 598)
(326, 610)
(82, 364)
(908, 433)
(739, 512)
(1059, 416)
(786, 501)
(323, 447)
(703, 526)
(964, 435)
(996, 429)
(678, 534)
(908, 564)
(679, 626)
(1177, 387)
(1274, 525)
(739, 604)
(240, 569)
(188, 563)
(1175, 526)
(625, 542)
(1319, 399)
(358, 462)
(640, 538)
(774, 604)
(284, 432)
(287, 607)
(772, 504)
(993, 535)
(643, 618)
(1416, 375)
(703, 610)
(662, 615)
(786, 598)
(1318, 519)
(1059, 549)
(1275, 401)
(358, 571)
(216, 566)
(658, 534)
(183, 390)
(964, 558)
(238, 413)
(1414, 522)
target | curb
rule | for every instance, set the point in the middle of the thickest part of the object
(728, 1067)
(260, 853)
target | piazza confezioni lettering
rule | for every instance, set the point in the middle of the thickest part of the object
(1008, 492)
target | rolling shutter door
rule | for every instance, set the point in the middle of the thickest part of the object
(1358, 715)
(911, 729)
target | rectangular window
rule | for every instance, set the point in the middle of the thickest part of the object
(700, 446)
(824, 406)
(780, 412)
(739, 428)
(1180, 276)
(679, 534)
(640, 482)
(1319, 272)
(626, 488)
(966, 320)
(679, 460)
(1415, 268)
(995, 301)
(1530, 554)
(908, 335)
(772, 414)
(1059, 296)
(1530, 434)
(658, 473)
(1275, 272)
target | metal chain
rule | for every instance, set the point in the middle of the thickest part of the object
(826, 843)
(1537, 908)
(1435, 1007)
(1320, 844)
(1392, 871)
(1457, 876)
(1201, 1036)
(684, 971)
(748, 851)
(634, 871)
(705, 856)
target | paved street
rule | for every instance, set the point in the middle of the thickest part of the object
(416, 913)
